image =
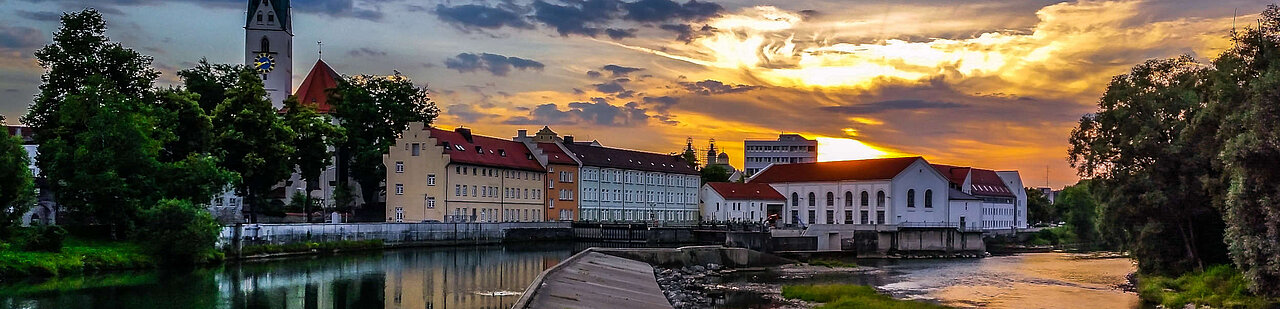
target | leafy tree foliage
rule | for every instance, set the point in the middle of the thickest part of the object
(252, 140)
(188, 128)
(210, 81)
(714, 173)
(1039, 209)
(17, 189)
(179, 231)
(312, 154)
(1080, 211)
(374, 110)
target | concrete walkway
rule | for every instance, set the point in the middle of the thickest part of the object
(592, 280)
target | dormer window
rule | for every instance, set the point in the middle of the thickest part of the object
(259, 17)
(271, 17)
(479, 151)
(502, 152)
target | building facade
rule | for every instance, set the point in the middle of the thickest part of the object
(268, 46)
(622, 185)
(454, 176)
(738, 202)
(788, 148)
(1004, 201)
(893, 191)
(562, 174)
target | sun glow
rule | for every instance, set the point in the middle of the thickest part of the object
(840, 149)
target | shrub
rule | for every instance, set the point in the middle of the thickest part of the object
(47, 238)
(843, 296)
(178, 232)
(1220, 286)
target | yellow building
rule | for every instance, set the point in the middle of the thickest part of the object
(454, 176)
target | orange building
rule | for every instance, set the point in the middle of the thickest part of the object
(562, 174)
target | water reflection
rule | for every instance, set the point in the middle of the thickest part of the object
(453, 277)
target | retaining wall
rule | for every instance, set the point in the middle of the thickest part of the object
(392, 234)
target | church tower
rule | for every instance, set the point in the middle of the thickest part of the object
(268, 46)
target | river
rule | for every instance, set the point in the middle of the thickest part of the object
(494, 277)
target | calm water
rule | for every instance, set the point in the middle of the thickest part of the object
(494, 277)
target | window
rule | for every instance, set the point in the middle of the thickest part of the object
(831, 217)
(414, 149)
(848, 199)
(880, 217)
(879, 198)
(431, 202)
(813, 216)
(911, 198)
(399, 214)
(431, 179)
(928, 198)
(259, 17)
(813, 200)
(795, 216)
(866, 200)
(399, 189)
(795, 199)
(831, 199)
(399, 167)
(264, 44)
(473, 190)
(271, 17)
(864, 218)
(848, 216)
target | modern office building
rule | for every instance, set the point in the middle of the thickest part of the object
(788, 148)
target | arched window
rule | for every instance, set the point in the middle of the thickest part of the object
(813, 199)
(848, 199)
(866, 199)
(831, 199)
(795, 199)
(879, 198)
(266, 45)
(911, 198)
(928, 198)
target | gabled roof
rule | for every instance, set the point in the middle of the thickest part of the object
(281, 7)
(629, 159)
(314, 90)
(955, 174)
(954, 194)
(555, 155)
(869, 169)
(491, 151)
(988, 183)
(745, 191)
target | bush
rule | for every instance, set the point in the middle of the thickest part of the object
(310, 246)
(178, 232)
(842, 296)
(1220, 286)
(47, 238)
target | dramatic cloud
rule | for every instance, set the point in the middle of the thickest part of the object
(366, 51)
(711, 86)
(597, 112)
(364, 9)
(495, 64)
(20, 37)
(618, 34)
(618, 71)
(664, 10)
(471, 16)
(39, 15)
(590, 18)
(883, 106)
(686, 33)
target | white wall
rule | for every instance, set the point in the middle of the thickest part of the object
(919, 176)
(924, 179)
(717, 208)
(1014, 181)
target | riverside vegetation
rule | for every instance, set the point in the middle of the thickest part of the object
(849, 296)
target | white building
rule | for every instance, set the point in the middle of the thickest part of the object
(1004, 202)
(627, 185)
(892, 191)
(732, 201)
(268, 46)
(788, 148)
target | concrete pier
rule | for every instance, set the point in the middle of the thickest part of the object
(590, 280)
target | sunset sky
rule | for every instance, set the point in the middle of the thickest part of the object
(994, 84)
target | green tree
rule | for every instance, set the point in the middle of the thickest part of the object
(1039, 209)
(1151, 180)
(1246, 93)
(188, 127)
(252, 140)
(1080, 211)
(210, 81)
(714, 173)
(17, 189)
(179, 232)
(315, 133)
(374, 110)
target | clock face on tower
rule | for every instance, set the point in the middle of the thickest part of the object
(264, 63)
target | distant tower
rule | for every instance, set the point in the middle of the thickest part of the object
(268, 46)
(712, 154)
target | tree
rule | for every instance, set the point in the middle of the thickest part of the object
(1151, 180)
(314, 134)
(17, 189)
(714, 173)
(188, 127)
(179, 232)
(1080, 211)
(1246, 95)
(374, 110)
(1039, 209)
(252, 140)
(210, 82)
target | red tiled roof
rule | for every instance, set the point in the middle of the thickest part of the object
(988, 183)
(745, 191)
(494, 152)
(555, 155)
(955, 174)
(629, 159)
(315, 87)
(27, 135)
(870, 169)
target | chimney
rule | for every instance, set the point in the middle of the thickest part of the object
(568, 139)
(522, 133)
(466, 133)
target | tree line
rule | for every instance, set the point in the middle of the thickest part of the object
(145, 161)
(1182, 160)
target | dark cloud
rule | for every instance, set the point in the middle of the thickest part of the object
(618, 34)
(711, 86)
(686, 33)
(891, 105)
(610, 87)
(360, 9)
(662, 103)
(39, 15)
(593, 74)
(466, 113)
(20, 37)
(498, 65)
(472, 16)
(366, 51)
(617, 70)
(596, 112)
(583, 18)
(664, 10)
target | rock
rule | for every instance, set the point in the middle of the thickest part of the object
(699, 269)
(713, 266)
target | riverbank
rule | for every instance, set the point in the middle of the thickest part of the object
(76, 256)
(1220, 286)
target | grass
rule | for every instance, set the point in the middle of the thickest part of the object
(849, 296)
(77, 256)
(832, 263)
(1220, 286)
(309, 246)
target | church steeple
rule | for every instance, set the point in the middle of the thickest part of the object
(268, 46)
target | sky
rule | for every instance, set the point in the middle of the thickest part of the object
(992, 84)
